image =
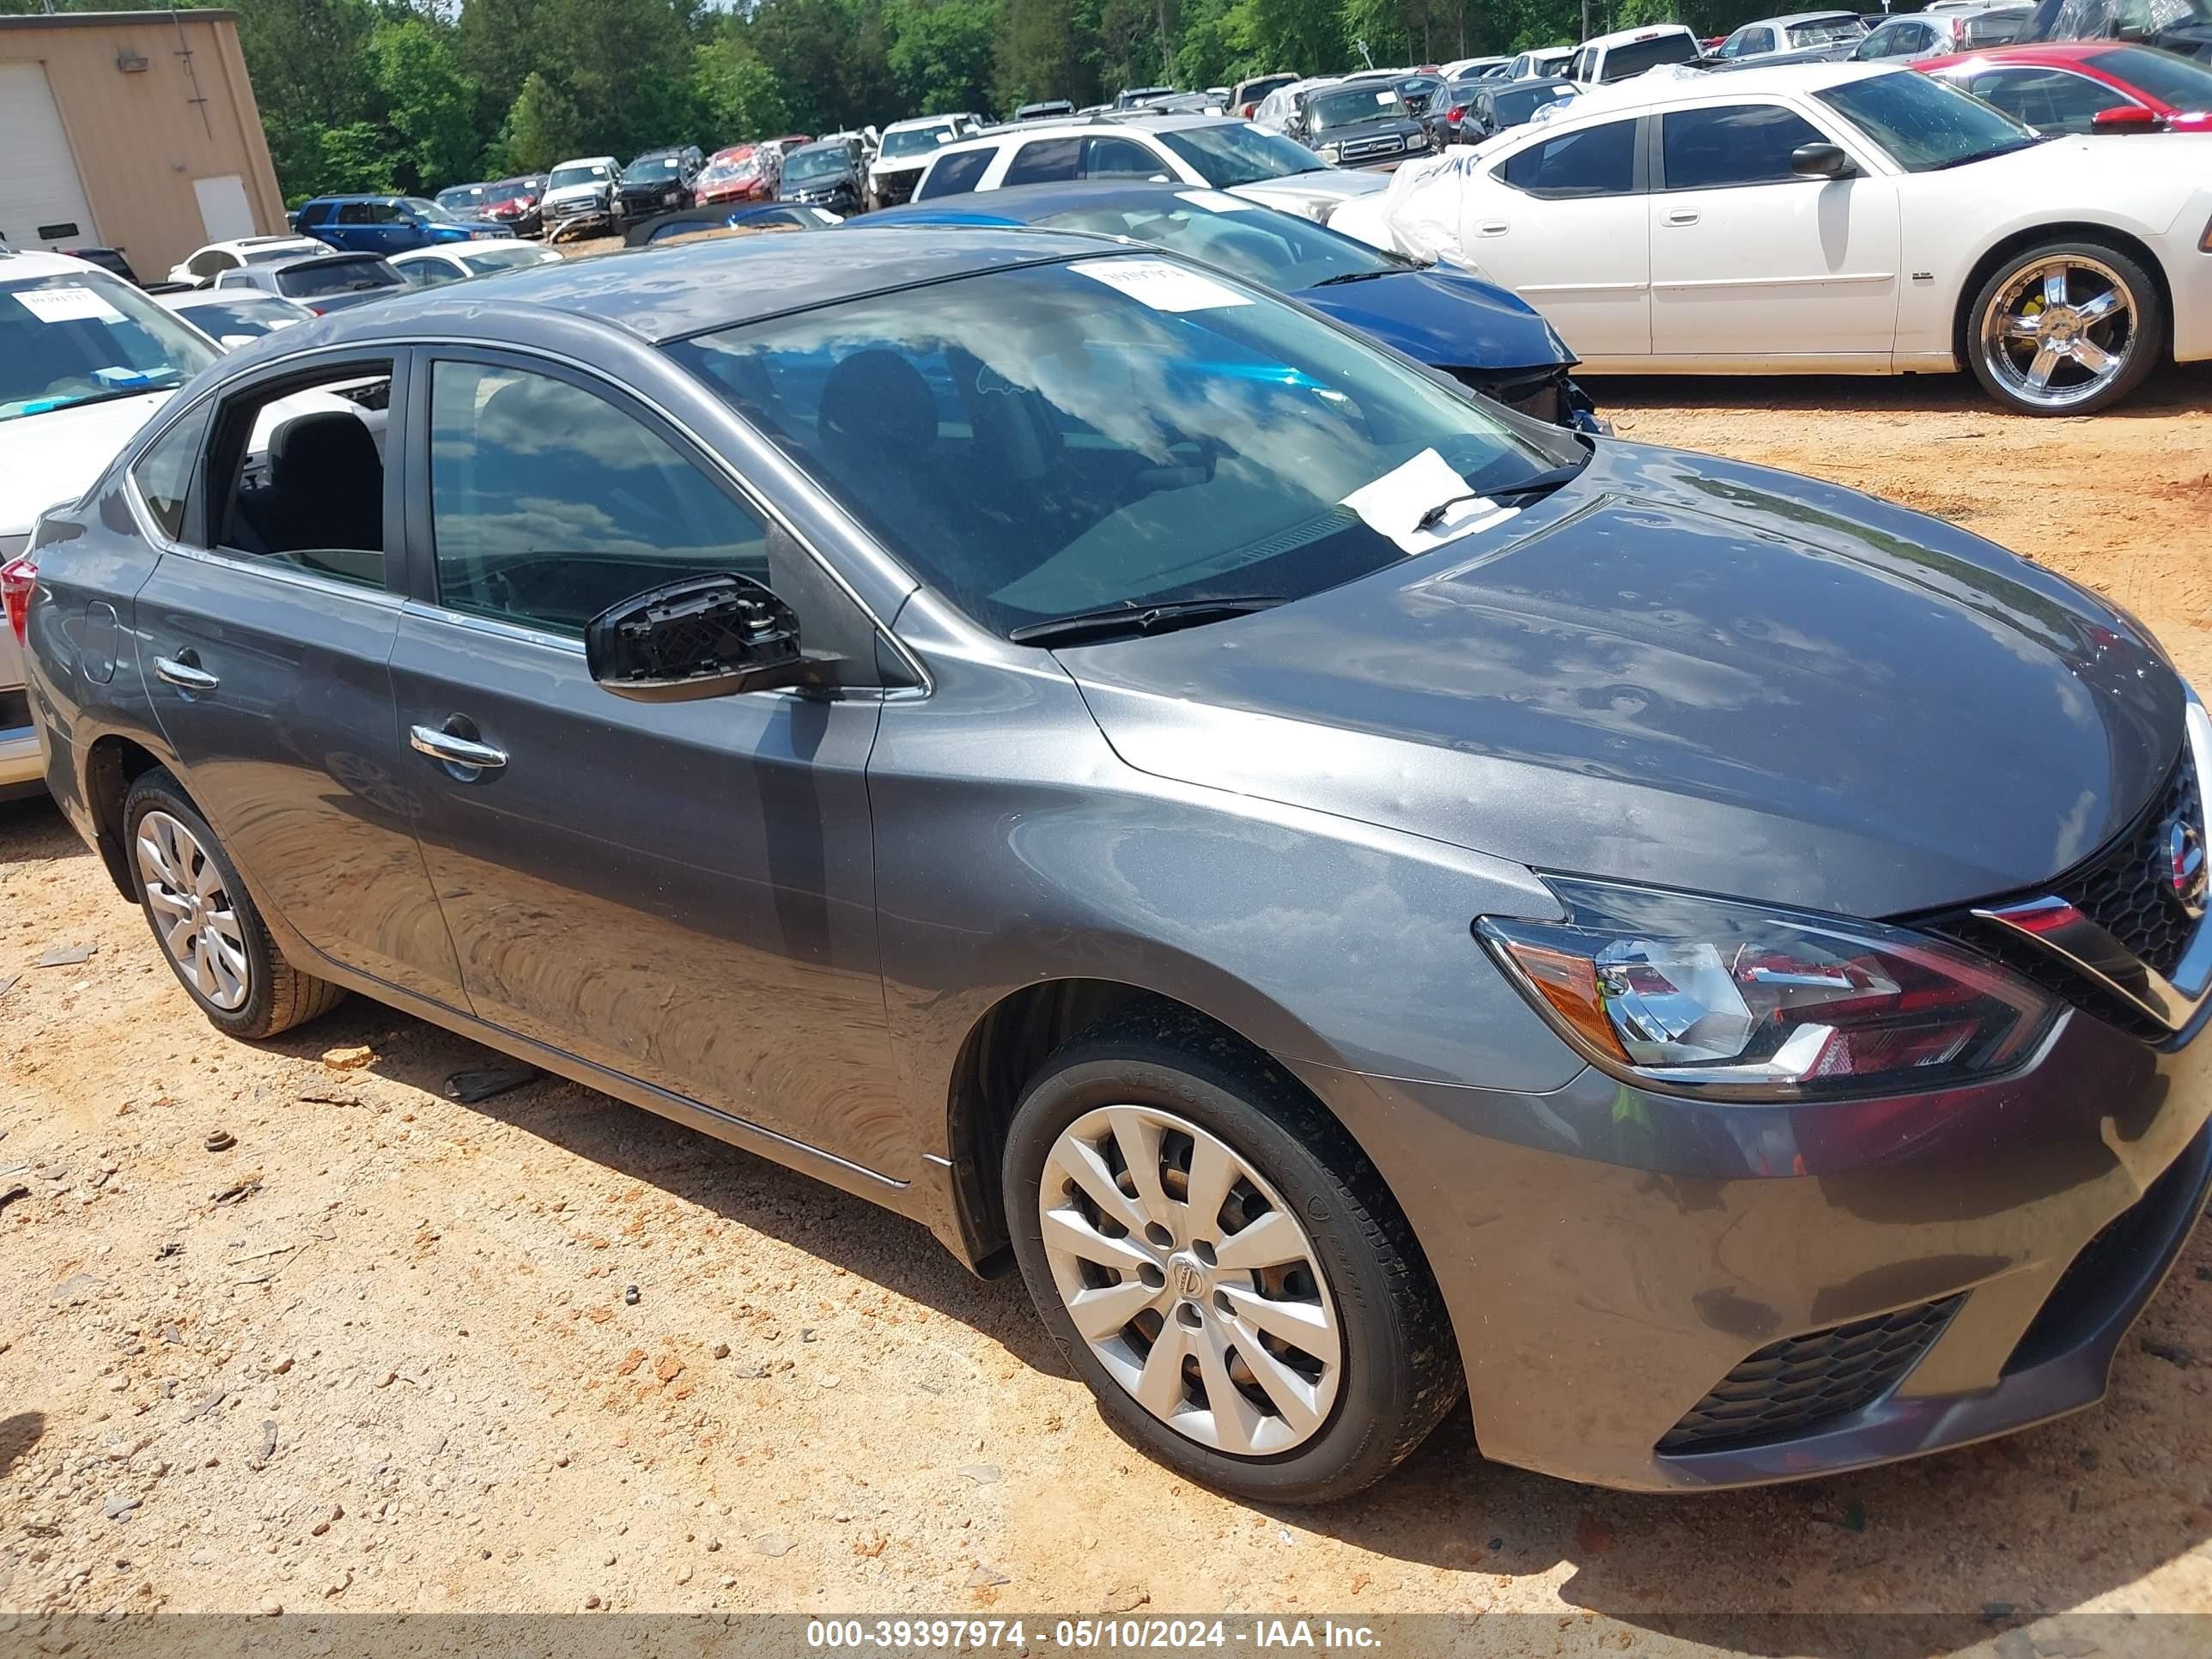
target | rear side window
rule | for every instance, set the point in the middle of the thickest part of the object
(953, 174)
(1119, 158)
(1589, 161)
(1740, 144)
(1048, 160)
(1637, 56)
(164, 472)
(314, 213)
(296, 474)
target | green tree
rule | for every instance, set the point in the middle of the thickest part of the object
(1039, 55)
(941, 52)
(541, 128)
(738, 97)
(429, 103)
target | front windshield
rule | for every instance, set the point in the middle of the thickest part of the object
(1128, 429)
(803, 165)
(425, 208)
(915, 141)
(79, 339)
(2165, 76)
(1344, 106)
(1276, 250)
(648, 169)
(1240, 153)
(563, 177)
(743, 164)
(462, 198)
(1924, 124)
(1637, 56)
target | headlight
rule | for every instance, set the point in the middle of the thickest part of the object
(1728, 998)
(1330, 152)
(1419, 141)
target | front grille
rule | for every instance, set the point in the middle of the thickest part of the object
(1541, 394)
(1792, 1387)
(894, 188)
(1359, 149)
(2122, 889)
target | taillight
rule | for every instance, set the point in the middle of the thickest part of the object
(19, 580)
(1454, 113)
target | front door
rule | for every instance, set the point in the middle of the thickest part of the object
(1750, 260)
(1567, 233)
(263, 636)
(682, 892)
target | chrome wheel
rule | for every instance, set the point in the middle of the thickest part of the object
(1190, 1278)
(2060, 330)
(193, 911)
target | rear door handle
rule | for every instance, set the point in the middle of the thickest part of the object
(184, 672)
(455, 750)
(1681, 215)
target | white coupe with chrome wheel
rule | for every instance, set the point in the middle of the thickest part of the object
(1832, 218)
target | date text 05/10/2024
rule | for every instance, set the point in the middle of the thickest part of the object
(1090, 1635)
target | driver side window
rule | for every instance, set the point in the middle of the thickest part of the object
(549, 504)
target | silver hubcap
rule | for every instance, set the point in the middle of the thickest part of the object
(2060, 332)
(1190, 1278)
(193, 911)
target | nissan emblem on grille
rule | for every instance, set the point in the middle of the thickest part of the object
(2184, 873)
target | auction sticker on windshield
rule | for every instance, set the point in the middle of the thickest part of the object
(1162, 286)
(66, 304)
(1423, 489)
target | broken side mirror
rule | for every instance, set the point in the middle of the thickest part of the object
(708, 637)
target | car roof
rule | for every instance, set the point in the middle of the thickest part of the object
(2028, 52)
(914, 121)
(1789, 18)
(1076, 126)
(584, 161)
(664, 293)
(1629, 37)
(1650, 91)
(1026, 203)
(37, 262)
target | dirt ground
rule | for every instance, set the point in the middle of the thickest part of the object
(377, 1355)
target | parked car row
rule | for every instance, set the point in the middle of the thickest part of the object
(1363, 897)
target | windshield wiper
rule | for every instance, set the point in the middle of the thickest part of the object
(1160, 617)
(2012, 149)
(1536, 483)
(1354, 276)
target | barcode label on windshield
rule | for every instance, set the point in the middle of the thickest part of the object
(66, 304)
(1162, 286)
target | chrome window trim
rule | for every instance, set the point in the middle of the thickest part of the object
(744, 486)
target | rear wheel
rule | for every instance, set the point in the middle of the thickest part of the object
(206, 922)
(2065, 329)
(1221, 1264)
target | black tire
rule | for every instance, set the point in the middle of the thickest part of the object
(278, 995)
(1400, 1371)
(2146, 341)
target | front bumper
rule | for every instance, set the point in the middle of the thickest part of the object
(893, 188)
(1657, 1293)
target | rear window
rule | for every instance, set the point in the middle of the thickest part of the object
(337, 277)
(1637, 56)
(953, 174)
(1589, 161)
(2166, 76)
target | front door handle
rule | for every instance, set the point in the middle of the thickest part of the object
(454, 750)
(1681, 215)
(184, 672)
(1493, 228)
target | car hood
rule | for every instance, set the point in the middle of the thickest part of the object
(573, 193)
(1323, 184)
(45, 460)
(1444, 318)
(1690, 672)
(2182, 159)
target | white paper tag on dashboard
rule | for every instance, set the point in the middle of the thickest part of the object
(1162, 286)
(1394, 504)
(66, 304)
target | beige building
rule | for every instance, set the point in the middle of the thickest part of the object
(130, 129)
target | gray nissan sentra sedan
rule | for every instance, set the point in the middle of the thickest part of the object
(1356, 894)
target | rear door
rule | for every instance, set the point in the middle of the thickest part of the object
(1562, 222)
(681, 893)
(263, 636)
(1750, 260)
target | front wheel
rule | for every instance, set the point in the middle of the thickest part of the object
(1222, 1265)
(2066, 328)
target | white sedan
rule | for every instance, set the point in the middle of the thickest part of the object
(1832, 218)
(428, 267)
(211, 261)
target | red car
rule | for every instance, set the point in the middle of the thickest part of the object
(743, 173)
(2085, 85)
